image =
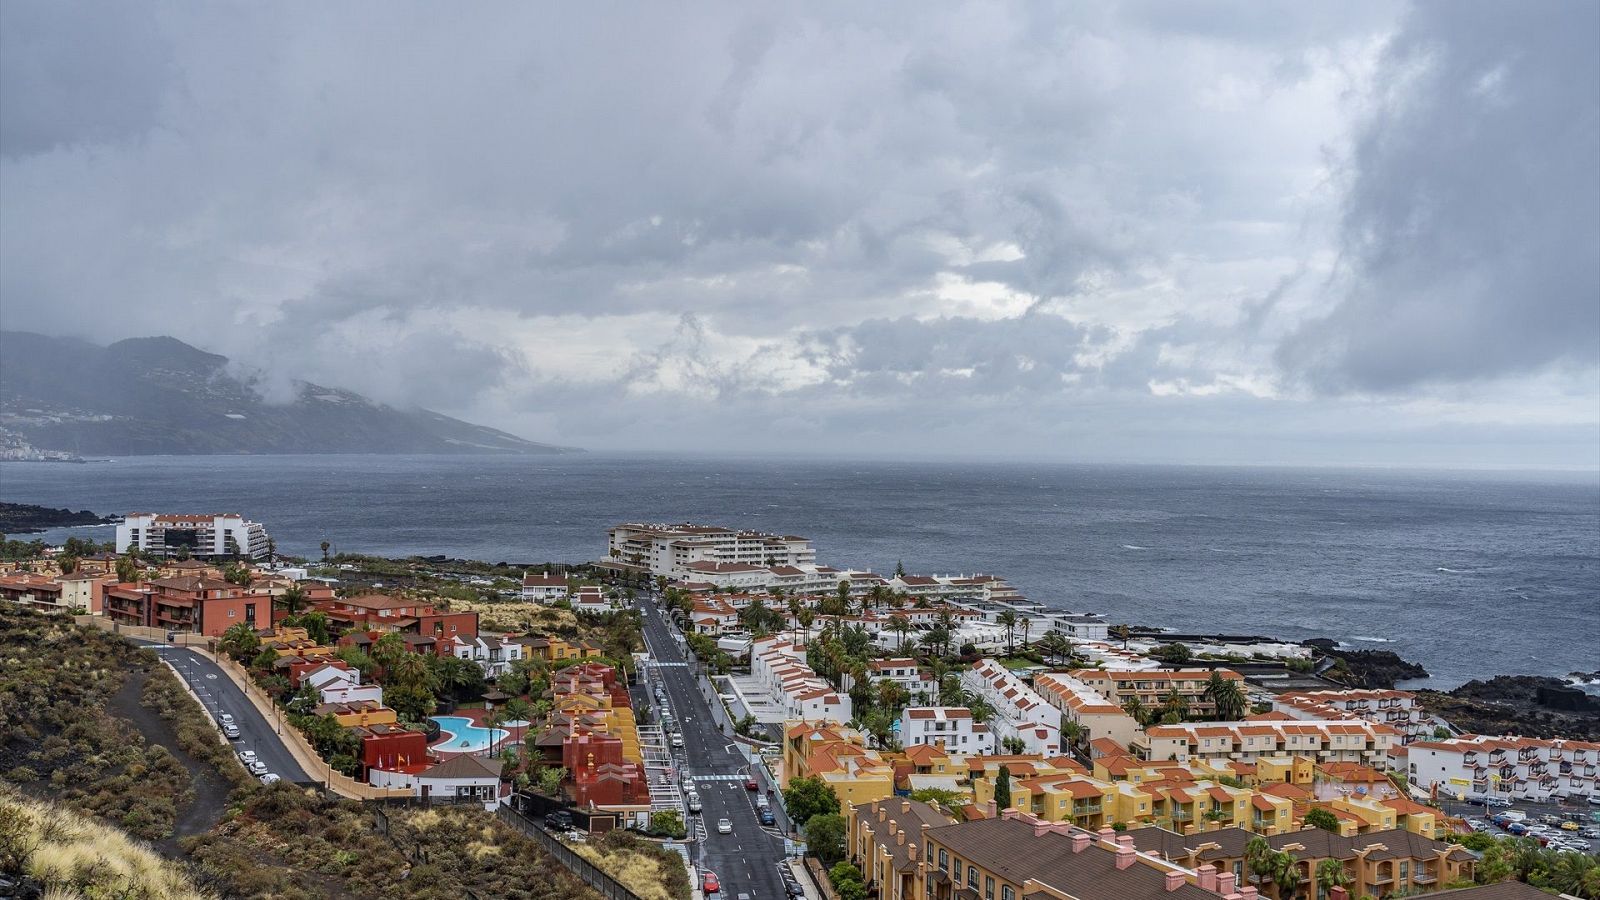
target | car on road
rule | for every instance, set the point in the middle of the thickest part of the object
(709, 883)
(767, 818)
(231, 731)
(257, 767)
(270, 778)
(1570, 826)
(225, 718)
(247, 756)
(792, 888)
(1496, 801)
(677, 740)
(1594, 799)
(694, 803)
(724, 826)
(558, 821)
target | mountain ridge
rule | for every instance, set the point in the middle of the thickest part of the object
(159, 395)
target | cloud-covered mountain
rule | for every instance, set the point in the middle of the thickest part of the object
(159, 395)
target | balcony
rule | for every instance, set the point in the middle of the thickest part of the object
(1086, 808)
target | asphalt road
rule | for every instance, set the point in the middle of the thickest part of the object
(220, 695)
(747, 860)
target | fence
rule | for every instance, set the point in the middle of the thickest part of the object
(587, 872)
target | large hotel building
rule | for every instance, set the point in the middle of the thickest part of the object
(202, 536)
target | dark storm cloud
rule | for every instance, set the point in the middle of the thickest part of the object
(1472, 225)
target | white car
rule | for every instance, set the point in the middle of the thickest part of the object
(694, 803)
(247, 756)
(270, 778)
(257, 767)
(724, 826)
(677, 740)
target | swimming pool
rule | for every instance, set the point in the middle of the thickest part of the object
(461, 736)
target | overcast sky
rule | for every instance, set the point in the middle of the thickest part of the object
(1210, 232)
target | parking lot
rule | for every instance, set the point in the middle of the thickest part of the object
(1589, 816)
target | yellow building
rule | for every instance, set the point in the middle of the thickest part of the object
(1069, 797)
(839, 757)
(351, 715)
(1285, 770)
(1414, 817)
(554, 649)
(291, 641)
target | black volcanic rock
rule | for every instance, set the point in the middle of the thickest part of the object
(25, 518)
(1528, 705)
(158, 395)
(1366, 668)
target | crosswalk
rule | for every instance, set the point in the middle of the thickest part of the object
(666, 665)
(718, 777)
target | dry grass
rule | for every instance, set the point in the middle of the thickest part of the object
(641, 866)
(514, 615)
(73, 856)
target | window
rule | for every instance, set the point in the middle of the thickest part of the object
(972, 877)
(988, 888)
(944, 860)
(1006, 893)
(958, 870)
(1405, 870)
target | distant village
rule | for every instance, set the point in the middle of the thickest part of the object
(978, 743)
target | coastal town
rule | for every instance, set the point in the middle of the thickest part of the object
(762, 724)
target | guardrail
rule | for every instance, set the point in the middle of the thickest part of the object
(587, 872)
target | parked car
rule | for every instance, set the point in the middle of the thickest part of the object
(270, 778)
(257, 767)
(793, 888)
(1570, 826)
(750, 784)
(231, 732)
(767, 818)
(1594, 799)
(558, 821)
(247, 756)
(694, 803)
(724, 826)
(1496, 801)
(677, 740)
(225, 718)
(709, 883)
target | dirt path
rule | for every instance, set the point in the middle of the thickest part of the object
(210, 789)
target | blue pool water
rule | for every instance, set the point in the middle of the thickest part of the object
(461, 736)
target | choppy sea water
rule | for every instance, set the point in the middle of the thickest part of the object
(1470, 574)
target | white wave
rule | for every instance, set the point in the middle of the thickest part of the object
(1371, 640)
(1451, 571)
(1133, 547)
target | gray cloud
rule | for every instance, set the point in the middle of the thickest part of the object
(1472, 225)
(812, 222)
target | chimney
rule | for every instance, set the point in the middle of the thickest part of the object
(1225, 883)
(1248, 892)
(990, 809)
(882, 814)
(1041, 828)
(905, 806)
(1125, 855)
(1080, 841)
(1174, 881)
(1108, 835)
(899, 838)
(1208, 879)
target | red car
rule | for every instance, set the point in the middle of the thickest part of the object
(709, 883)
(750, 785)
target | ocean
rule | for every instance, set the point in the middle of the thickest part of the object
(1469, 574)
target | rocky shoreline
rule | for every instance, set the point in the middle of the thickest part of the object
(1366, 668)
(25, 518)
(1528, 705)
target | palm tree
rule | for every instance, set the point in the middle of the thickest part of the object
(240, 641)
(1225, 694)
(1175, 703)
(293, 599)
(900, 625)
(1027, 625)
(1331, 874)
(1123, 632)
(1286, 874)
(1008, 619)
(1134, 707)
(411, 669)
(388, 649)
(1256, 852)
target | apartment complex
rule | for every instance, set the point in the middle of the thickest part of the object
(907, 674)
(949, 727)
(544, 588)
(1020, 713)
(1510, 767)
(1379, 863)
(905, 853)
(779, 666)
(202, 536)
(838, 756)
(1397, 709)
(1152, 688)
(1082, 705)
(1355, 741)
(192, 603)
(669, 550)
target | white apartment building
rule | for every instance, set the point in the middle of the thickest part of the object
(779, 667)
(949, 727)
(1509, 767)
(335, 685)
(1087, 708)
(668, 549)
(201, 535)
(1361, 742)
(544, 588)
(1397, 709)
(1019, 711)
(590, 599)
(904, 672)
(493, 655)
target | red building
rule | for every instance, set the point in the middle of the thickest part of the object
(393, 749)
(600, 777)
(382, 612)
(192, 603)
